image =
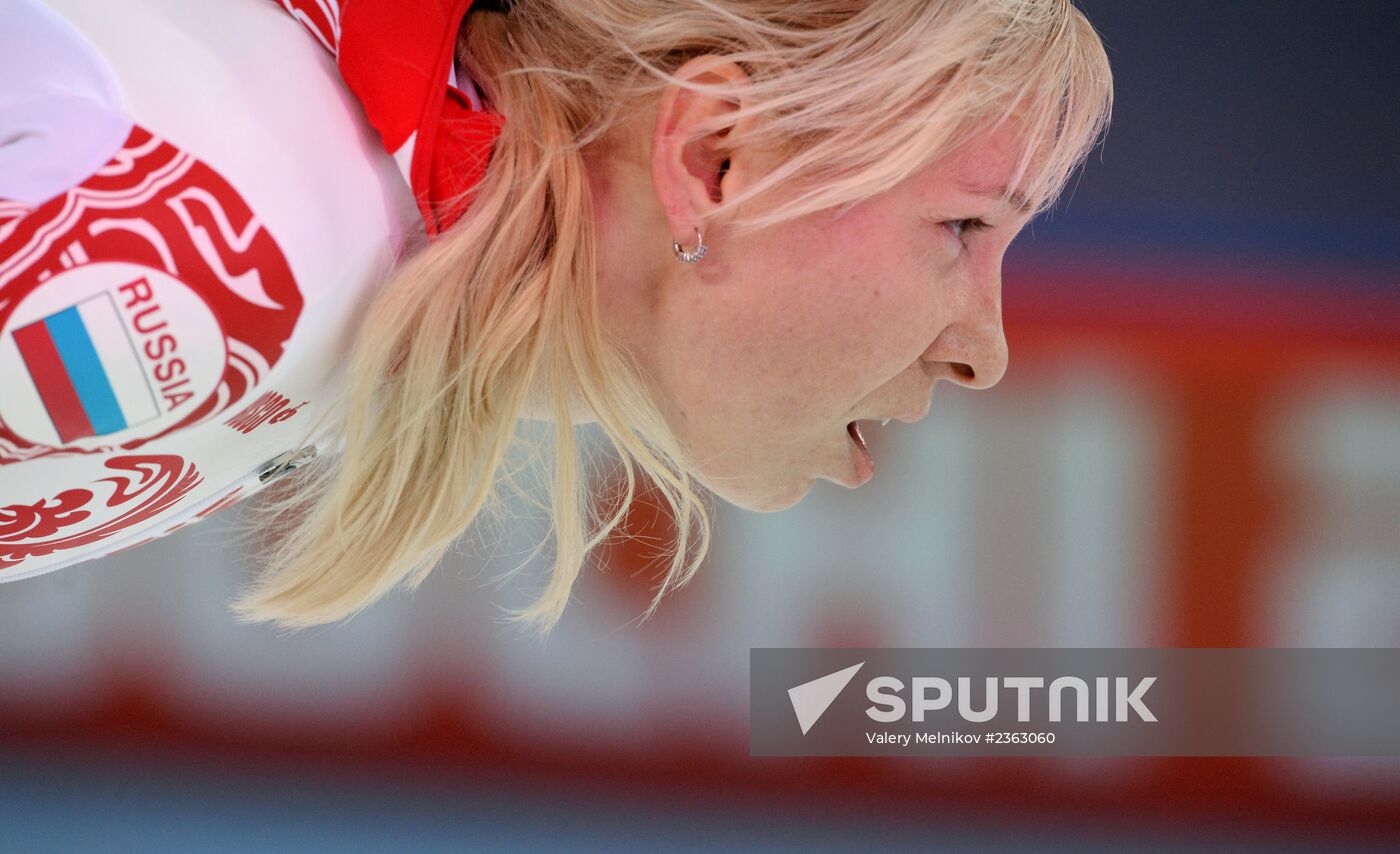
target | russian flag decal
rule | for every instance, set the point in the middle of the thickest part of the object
(86, 369)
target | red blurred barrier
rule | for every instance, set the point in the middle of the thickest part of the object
(1224, 350)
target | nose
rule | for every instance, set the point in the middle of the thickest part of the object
(974, 343)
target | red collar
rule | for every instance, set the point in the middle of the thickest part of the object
(397, 63)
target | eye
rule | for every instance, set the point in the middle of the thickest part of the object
(963, 227)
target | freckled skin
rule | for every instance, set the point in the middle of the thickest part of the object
(763, 351)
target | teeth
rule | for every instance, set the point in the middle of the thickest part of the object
(885, 422)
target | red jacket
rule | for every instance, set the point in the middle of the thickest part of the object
(195, 206)
(398, 65)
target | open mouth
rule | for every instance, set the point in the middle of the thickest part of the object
(861, 459)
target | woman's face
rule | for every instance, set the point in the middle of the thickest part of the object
(764, 351)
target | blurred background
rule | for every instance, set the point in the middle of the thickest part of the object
(1197, 444)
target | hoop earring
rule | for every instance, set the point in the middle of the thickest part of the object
(694, 255)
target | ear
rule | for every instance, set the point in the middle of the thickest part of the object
(692, 175)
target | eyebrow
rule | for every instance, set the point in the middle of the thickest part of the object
(1018, 201)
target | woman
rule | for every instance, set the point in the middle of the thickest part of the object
(724, 231)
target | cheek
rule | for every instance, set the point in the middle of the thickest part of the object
(813, 321)
(881, 304)
(861, 315)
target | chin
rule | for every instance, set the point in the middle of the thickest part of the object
(765, 497)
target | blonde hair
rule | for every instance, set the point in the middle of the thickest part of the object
(500, 311)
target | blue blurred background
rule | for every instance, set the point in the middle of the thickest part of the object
(1197, 444)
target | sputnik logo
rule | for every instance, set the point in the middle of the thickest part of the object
(810, 700)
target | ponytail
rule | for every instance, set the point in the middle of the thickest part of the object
(497, 315)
